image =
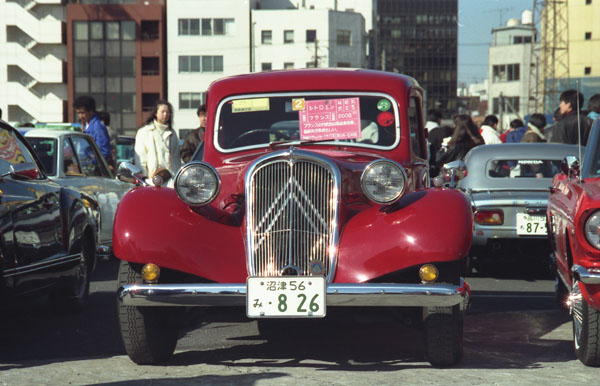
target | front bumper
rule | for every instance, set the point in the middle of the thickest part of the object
(368, 294)
(587, 276)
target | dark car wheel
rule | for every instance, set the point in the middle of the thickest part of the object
(149, 333)
(586, 329)
(444, 337)
(71, 295)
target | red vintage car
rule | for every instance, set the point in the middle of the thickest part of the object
(574, 220)
(311, 191)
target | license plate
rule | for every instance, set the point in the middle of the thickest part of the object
(285, 297)
(531, 225)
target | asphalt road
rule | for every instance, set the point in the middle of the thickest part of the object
(514, 334)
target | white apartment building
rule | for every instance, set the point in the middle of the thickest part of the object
(509, 63)
(32, 61)
(210, 39)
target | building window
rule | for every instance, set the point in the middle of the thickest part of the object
(217, 27)
(311, 35)
(200, 63)
(80, 30)
(521, 39)
(588, 2)
(288, 65)
(189, 27)
(266, 37)
(506, 72)
(288, 36)
(587, 71)
(343, 37)
(343, 64)
(588, 36)
(265, 66)
(191, 100)
(149, 29)
(150, 66)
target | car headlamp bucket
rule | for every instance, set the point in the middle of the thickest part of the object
(197, 183)
(592, 229)
(383, 181)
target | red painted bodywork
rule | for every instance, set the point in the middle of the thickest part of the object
(569, 205)
(427, 225)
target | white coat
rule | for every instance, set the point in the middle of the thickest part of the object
(156, 148)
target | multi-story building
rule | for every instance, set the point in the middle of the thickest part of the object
(33, 59)
(217, 38)
(584, 45)
(509, 63)
(420, 38)
(115, 53)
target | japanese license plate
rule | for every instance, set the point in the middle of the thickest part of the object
(531, 225)
(291, 296)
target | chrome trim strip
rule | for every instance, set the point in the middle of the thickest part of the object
(41, 265)
(584, 275)
(367, 294)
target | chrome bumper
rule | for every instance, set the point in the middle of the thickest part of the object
(586, 276)
(368, 294)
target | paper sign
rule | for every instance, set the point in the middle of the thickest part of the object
(246, 105)
(330, 119)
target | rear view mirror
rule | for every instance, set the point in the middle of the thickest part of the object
(128, 172)
(570, 166)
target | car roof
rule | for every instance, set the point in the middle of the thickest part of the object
(45, 133)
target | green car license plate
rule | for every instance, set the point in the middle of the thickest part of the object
(286, 297)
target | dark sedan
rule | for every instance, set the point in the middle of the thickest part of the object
(48, 232)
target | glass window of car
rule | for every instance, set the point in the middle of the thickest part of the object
(88, 158)
(415, 122)
(12, 150)
(523, 168)
(45, 149)
(256, 121)
(71, 166)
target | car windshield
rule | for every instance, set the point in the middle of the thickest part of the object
(367, 120)
(125, 151)
(45, 149)
(523, 168)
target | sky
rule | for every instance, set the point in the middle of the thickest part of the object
(476, 18)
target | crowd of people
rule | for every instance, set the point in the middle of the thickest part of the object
(571, 125)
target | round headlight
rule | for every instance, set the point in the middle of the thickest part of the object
(592, 229)
(383, 181)
(197, 183)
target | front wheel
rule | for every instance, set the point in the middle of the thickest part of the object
(586, 328)
(149, 334)
(444, 336)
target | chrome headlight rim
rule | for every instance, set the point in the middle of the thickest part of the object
(400, 192)
(186, 168)
(589, 233)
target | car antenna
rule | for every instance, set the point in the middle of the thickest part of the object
(579, 133)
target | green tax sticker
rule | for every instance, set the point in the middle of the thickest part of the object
(383, 105)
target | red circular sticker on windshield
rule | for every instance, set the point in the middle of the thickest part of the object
(385, 118)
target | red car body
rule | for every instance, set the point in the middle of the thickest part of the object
(377, 246)
(573, 202)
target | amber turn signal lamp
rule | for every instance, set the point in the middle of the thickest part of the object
(150, 273)
(489, 217)
(428, 273)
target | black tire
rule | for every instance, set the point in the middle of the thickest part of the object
(586, 329)
(444, 337)
(71, 295)
(149, 334)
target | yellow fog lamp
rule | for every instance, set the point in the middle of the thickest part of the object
(150, 273)
(428, 273)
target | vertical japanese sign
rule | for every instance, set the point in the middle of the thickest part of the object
(328, 118)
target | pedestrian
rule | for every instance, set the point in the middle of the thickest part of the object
(594, 109)
(105, 118)
(435, 135)
(573, 127)
(85, 107)
(489, 130)
(516, 131)
(535, 129)
(157, 144)
(195, 137)
(464, 137)
(549, 129)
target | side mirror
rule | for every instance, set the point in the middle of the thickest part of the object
(451, 173)
(128, 172)
(571, 166)
(23, 171)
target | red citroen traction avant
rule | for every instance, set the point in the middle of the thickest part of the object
(310, 191)
(574, 223)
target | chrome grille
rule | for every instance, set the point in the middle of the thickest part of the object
(292, 215)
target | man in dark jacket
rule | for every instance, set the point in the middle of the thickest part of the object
(566, 130)
(195, 138)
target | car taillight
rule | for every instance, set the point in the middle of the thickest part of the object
(489, 217)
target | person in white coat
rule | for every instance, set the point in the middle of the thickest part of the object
(157, 144)
(488, 130)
